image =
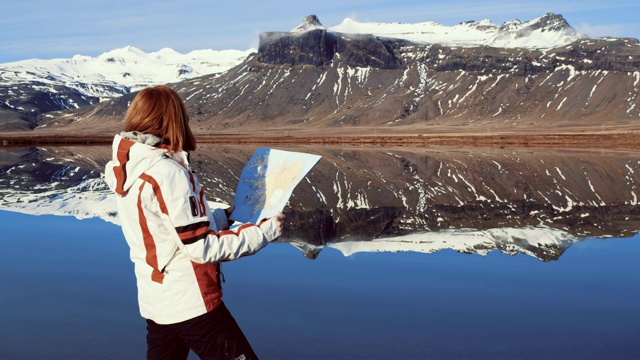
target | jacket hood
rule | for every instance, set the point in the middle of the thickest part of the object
(133, 154)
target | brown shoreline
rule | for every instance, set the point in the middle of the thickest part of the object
(626, 140)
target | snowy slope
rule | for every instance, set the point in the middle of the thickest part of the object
(86, 200)
(545, 32)
(125, 70)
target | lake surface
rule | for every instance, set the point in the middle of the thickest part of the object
(493, 276)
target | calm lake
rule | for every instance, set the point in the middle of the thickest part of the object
(389, 253)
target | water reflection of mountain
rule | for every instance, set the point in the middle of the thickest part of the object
(543, 243)
(360, 194)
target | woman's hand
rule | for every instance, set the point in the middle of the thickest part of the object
(279, 219)
(228, 212)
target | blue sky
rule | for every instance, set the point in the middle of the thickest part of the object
(52, 29)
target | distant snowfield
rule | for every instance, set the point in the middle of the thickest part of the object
(128, 66)
(512, 34)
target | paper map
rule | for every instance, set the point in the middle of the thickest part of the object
(267, 182)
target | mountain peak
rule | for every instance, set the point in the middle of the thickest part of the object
(309, 23)
(547, 22)
(127, 52)
(550, 22)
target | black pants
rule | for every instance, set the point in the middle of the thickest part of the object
(214, 335)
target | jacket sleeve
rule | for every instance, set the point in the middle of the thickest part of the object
(199, 235)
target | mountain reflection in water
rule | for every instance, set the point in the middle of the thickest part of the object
(537, 202)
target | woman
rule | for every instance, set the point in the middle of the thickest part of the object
(176, 241)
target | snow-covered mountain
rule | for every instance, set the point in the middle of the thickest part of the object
(314, 78)
(546, 32)
(29, 88)
(521, 74)
(128, 69)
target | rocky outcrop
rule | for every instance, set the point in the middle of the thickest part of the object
(548, 22)
(619, 55)
(316, 226)
(312, 47)
(318, 48)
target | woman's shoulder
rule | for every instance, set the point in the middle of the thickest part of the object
(167, 168)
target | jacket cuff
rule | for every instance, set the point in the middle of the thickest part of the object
(270, 229)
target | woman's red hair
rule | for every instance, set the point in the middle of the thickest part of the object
(160, 111)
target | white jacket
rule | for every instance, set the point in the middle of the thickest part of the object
(175, 239)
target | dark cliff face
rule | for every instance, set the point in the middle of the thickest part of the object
(314, 47)
(370, 51)
(319, 48)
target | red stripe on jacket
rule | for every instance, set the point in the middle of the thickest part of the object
(207, 278)
(192, 179)
(156, 191)
(236, 232)
(190, 235)
(120, 171)
(203, 210)
(149, 244)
